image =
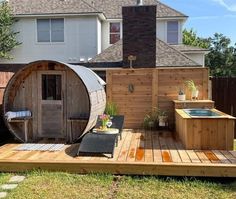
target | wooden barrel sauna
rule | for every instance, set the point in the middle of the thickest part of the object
(64, 101)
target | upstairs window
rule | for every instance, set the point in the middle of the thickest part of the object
(50, 30)
(172, 32)
(114, 32)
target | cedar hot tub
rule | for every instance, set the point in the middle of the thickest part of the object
(205, 129)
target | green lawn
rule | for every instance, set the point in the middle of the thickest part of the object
(40, 185)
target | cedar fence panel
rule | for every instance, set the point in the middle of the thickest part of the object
(151, 88)
(4, 78)
(224, 95)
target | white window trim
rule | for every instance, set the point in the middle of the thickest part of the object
(167, 32)
(50, 42)
(109, 34)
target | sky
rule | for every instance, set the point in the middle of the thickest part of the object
(207, 17)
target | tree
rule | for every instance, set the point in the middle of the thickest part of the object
(190, 38)
(222, 56)
(8, 39)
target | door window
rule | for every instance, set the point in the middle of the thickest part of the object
(51, 87)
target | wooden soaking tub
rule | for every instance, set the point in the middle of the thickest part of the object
(205, 129)
(64, 101)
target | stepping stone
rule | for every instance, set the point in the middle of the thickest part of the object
(3, 194)
(9, 186)
(16, 179)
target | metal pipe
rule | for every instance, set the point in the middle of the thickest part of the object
(139, 2)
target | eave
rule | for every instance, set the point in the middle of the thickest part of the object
(99, 14)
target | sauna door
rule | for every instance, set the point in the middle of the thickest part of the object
(50, 110)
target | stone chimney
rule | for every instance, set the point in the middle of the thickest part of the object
(139, 36)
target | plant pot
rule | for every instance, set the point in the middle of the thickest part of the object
(194, 94)
(181, 97)
(151, 124)
(163, 120)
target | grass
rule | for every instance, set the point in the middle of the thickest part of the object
(39, 185)
(174, 188)
(4, 177)
(62, 185)
(235, 145)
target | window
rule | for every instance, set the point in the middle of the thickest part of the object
(114, 32)
(50, 30)
(172, 32)
(51, 87)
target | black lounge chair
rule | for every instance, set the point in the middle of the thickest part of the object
(102, 143)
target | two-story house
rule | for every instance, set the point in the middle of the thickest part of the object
(78, 31)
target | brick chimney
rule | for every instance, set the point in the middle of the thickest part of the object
(139, 36)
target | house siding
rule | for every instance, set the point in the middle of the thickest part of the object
(197, 57)
(161, 31)
(81, 41)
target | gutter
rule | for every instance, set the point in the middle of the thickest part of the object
(100, 14)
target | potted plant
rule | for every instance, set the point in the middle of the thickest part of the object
(193, 88)
(104, 120)
(163, 118)
(148, 122)
(181, 95)
(150, 119)
(111, 109)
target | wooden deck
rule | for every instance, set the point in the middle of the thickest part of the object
(139, 152)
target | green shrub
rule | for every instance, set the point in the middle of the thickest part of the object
(111, 108)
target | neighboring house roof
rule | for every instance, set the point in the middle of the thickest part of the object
(189, 49)
(111, 8)
(34, 7)
(166, 56)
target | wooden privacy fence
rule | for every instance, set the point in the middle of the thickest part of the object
(4, 78)
(136, 91)
(224, 95)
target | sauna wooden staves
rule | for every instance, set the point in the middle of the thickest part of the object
(64, 99)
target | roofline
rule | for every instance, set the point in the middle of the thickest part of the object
(174, 17)
(100, 14)
(162, 18)
(159, 67)
(195, 51)
(172, 8)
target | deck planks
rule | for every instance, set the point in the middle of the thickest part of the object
(138, 152)
(156, 148)
(125, 148)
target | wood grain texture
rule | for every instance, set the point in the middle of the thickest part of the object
(24, 93)
(205, 133)
(151, 88)
(139, 152)
(4, 78)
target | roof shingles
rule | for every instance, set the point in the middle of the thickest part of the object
(187, 48)
(33, 7)
(166, 56)
(111, 9)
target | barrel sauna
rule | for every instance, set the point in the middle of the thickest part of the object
(64, 101)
